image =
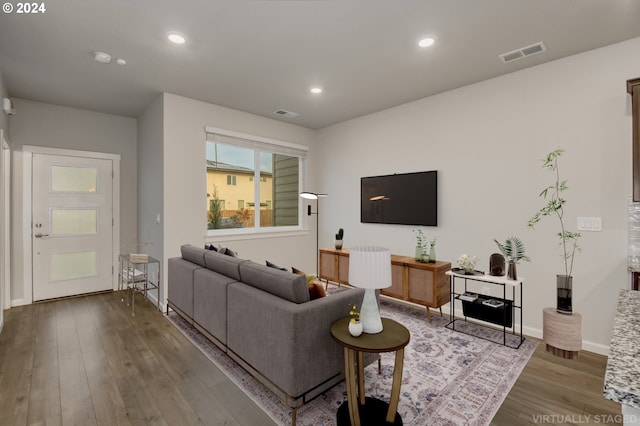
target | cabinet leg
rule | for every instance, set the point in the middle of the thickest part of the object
(429, 314)
(440, 310)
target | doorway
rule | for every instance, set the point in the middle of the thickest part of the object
(73, 216)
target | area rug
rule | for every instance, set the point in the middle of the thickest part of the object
(449, 378)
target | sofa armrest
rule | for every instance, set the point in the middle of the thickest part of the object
(288, 343)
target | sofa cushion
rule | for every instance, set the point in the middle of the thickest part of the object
(210, 302)
(283, 284)
(223, 264)
(193, 254)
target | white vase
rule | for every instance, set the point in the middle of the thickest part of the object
(355, 328)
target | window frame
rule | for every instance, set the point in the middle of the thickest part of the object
(261, 142)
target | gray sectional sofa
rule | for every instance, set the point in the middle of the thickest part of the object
(262, 318)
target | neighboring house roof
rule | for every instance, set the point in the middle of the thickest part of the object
(226, 167)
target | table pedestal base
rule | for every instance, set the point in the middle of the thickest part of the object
(372, 413)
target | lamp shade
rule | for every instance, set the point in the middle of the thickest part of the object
(311, 195)
(370, 267)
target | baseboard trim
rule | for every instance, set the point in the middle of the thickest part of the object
(537, 333)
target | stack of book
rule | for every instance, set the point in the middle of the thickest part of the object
(468, 297)
(493, 303)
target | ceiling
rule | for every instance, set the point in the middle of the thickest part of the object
(261, 56)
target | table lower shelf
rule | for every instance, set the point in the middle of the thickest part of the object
(496, 335)
(372, 413)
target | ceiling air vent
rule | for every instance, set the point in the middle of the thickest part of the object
(523, 52)
(285, 113)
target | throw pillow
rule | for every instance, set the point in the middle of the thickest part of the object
(273, 265)
(310, 278)
(316, 290)
(230, 252)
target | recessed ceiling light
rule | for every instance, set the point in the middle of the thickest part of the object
(316, 90)
(426, 42)
(121, 61)
(102, 57)
(177, 38)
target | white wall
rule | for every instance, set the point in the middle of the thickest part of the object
(4, 125)
(55, 126)
(486, 140)
(185, 181)
(151, 180)
(4, 118)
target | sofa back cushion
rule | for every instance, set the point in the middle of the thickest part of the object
(283, 284)
(193, 254)
(223, 264)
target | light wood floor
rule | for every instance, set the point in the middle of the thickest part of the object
(86, 361)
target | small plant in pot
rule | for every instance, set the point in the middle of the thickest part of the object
(339, 237)
(355, 325)
(568, 239)
(513, 251)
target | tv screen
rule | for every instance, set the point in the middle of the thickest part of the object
(405, 199)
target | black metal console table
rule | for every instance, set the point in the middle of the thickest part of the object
(503, 316)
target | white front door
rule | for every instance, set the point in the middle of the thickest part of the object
(72, 225)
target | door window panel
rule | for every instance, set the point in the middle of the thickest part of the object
(74, 179)
(68, 266)
(74, 222)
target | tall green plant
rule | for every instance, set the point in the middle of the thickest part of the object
(214, 215)
(555, 207)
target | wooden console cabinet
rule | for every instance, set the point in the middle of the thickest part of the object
(334, 266)
(422, 283)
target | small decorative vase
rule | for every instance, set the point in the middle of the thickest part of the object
(496, 265)
(338, 244)
(355, 328)
(419, 254)
(511, 272)
(432, 254)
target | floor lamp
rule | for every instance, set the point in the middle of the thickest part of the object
(314, 196)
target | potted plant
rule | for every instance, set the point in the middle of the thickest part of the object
(513, 251)
(355, 325)
(421, 246)
(339, 237)
(568, 239)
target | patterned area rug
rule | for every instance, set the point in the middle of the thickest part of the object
(449, 378)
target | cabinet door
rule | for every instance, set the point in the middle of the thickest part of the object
(397, 282)
(343, 269)
(328, 267)
(421, 286)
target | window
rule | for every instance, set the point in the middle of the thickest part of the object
(259, 176)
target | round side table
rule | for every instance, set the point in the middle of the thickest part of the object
(562, 333)
(393, 337)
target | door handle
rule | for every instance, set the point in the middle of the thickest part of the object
(39, 235)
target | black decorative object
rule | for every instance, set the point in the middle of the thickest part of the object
(565, 283)
(496, 265)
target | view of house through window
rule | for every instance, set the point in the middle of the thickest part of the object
(250, 188)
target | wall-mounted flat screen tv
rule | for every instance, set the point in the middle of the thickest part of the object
(405, 199)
